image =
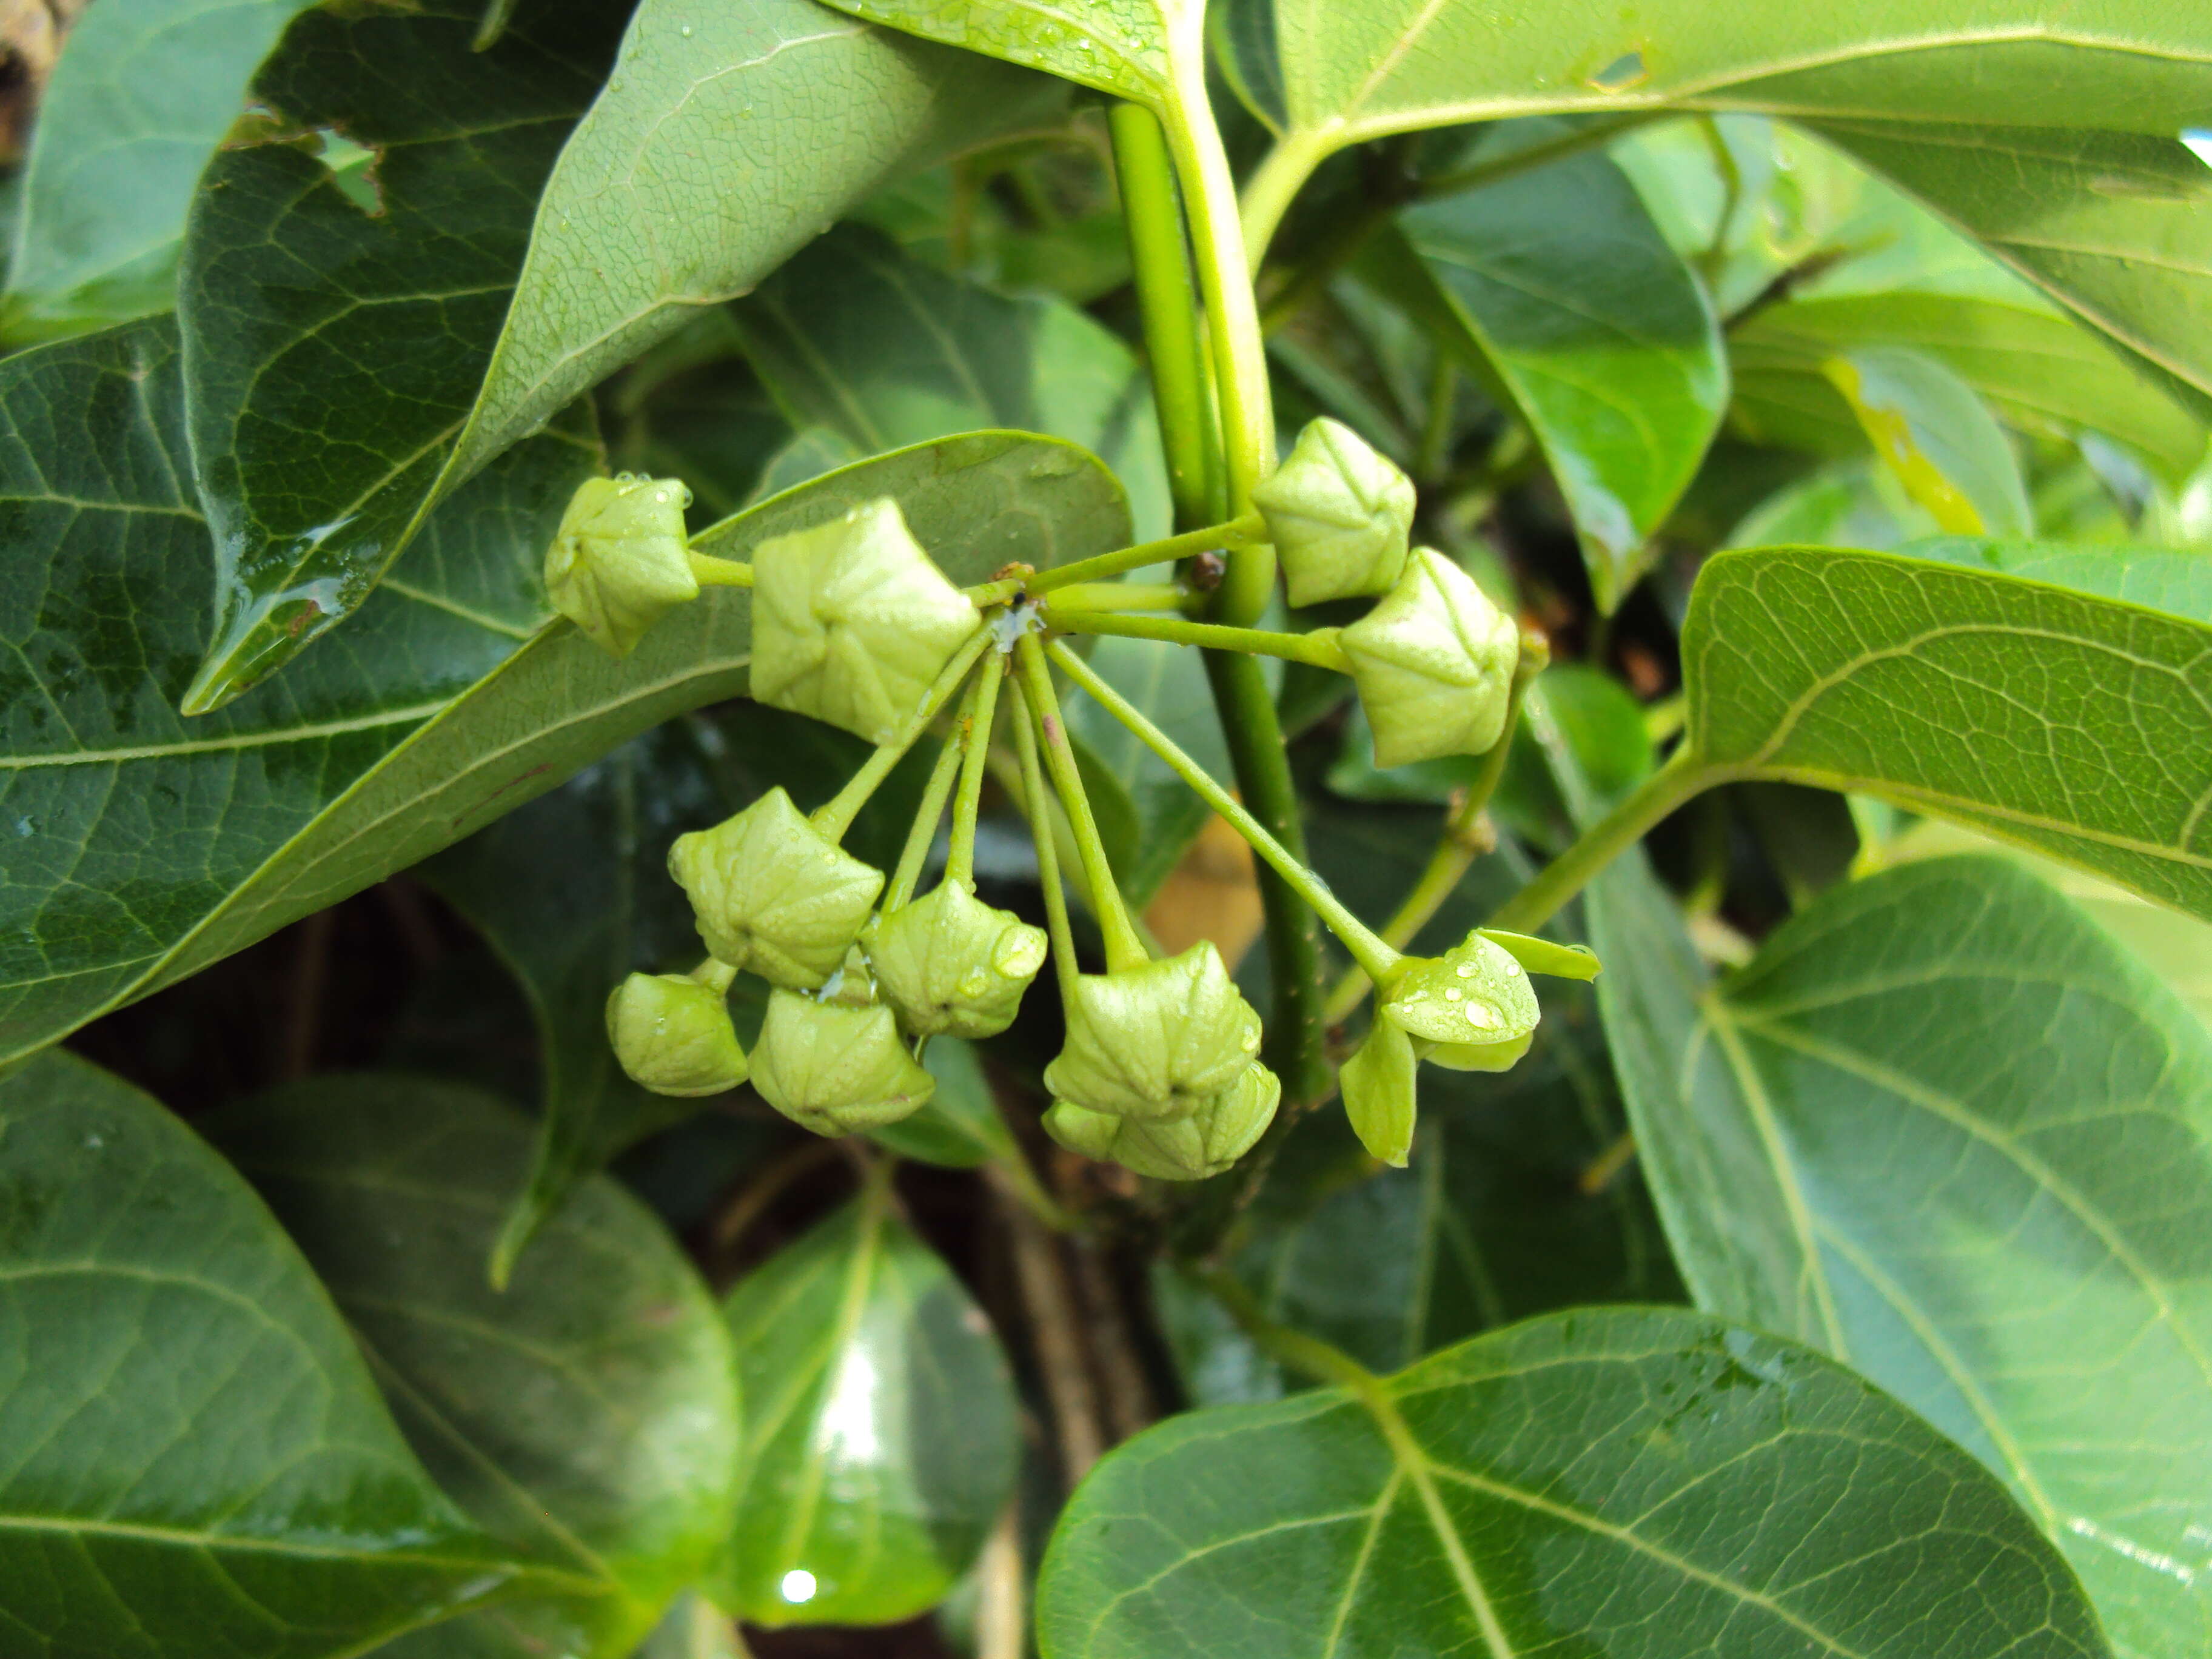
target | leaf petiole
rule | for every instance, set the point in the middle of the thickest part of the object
(713, 572)
(1123, 596)
(978, 719)
(1038, 804)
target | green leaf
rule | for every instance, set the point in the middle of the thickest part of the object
(145, 847)
(197, 1460)
(1142, 50)
(133, 110)
(694, 1629)
(2069, 718)
(727, 138)
(134, 833)
(856, 336)
(333, 348)
(2112, 224)
(1937, 438)
(1846, 504)
(1557, 285)
(882, 1439)
(960, 1128)
(1624, 1484)
(2041, 374)
(586, 1414)
(1944, 1129)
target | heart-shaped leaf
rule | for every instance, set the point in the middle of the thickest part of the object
(2034, 693)
(587, 1413)
(882, 1438)
(1625, 1484)
(198, 1460)
(1944, 1129)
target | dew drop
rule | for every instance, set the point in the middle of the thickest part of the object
(685, 31)
(1478, 1015)
(1465, 970)
(1454, 995)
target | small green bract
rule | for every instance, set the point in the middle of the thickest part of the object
(1338, 514)
(619, 560)
(1469, 1010)
(1378, 1083)
(1434, 664)
(773, 894)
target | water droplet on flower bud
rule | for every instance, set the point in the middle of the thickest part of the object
(1479, 1016)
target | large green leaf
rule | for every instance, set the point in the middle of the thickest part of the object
(855, 336)
(586, 1414)
(134, 109)
(332, 345)
(2041, 374)
(2032, 692)
(882, 1436)
(195, 1460)
(1148, 50)
(1944, 1129)
(146, 847)
(131, 828)
(1629, 1484)
(1558, 284)
(2113, 224)
(727, 137)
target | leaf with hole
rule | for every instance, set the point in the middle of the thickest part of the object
(586, 1414)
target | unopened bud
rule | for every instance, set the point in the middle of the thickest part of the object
(672, 1034)
(1202, 1144)
(619, 560)
(851, 623)
(835, 1070)
(1469, 1010)
(1159, 1041)
(1434, 664)
(774, 893)
(950, 964)
(1338, 512)
(1379, 1092)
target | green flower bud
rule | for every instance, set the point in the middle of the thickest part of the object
(1378, 1087)
(673, 1036)
(1470, 1010)
(852, 623)
(772, 893)
(1434, 664)
(1204, 1143)
(1154, 1042)
(950, 963)
(619, 560)
(1338, 513)
(834, 1069)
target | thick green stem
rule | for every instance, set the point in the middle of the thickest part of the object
(1681, 778)
(1036, 800)
(834, 819)
(1377, 957)
(1319, 648)
(1152, 212)
(915, 853)
(981, 714)
(712, 572)
(1123, 947)
(1275, 185)
(1214, 537)
(1123, 596)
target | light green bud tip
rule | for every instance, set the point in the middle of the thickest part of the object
(852, 623)
(619, 561)
(1157, 1042)
(1378, 1087)
(834, 1069)
(1204, 1143)
(1470, 1010)
(1339, 514)
(772, 893)
(950, 964)
(673, 1036)
(1434, 664)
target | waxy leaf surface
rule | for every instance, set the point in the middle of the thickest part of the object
(587, 1413)
(1131, 48)
(1620, 1484)
(197, 1459)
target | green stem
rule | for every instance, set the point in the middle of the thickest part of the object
(1436, 431)
(1123, 948)
(834, 819)
(923, 834)
(1681, 778)
(1306, 1355)
(1123, 596)
(1467, 837)
(1152, 212)
(1275, 185)
(1370, 951)
(1237, 532)
(981, 715)
(712, 572)
(1319, 648)
(1037, 801)
(984, 595)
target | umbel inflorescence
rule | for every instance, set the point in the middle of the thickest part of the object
(855, 625)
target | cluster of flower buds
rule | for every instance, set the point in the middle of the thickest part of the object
(855, 625)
